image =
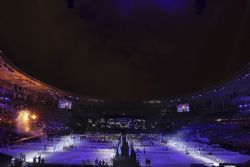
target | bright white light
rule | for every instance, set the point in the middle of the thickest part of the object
(183, 147)
(34, 117)
(218, 120)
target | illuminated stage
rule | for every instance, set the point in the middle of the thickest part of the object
(172, 154)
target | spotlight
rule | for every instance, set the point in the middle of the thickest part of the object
(34, 117)
(25, 116)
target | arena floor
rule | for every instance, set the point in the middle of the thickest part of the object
(172, 154)
(84, 153)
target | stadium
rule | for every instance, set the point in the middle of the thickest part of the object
(48, 126)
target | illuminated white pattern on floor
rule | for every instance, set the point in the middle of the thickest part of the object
(84, 151)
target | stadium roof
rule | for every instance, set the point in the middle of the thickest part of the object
(11, 76)
(126, 50)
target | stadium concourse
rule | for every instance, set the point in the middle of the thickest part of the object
(44, 126)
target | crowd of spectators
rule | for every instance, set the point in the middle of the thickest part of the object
(230, 131)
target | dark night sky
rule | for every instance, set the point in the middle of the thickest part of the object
(126, 49)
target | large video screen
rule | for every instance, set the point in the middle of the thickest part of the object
(64, 104)
(183, 107)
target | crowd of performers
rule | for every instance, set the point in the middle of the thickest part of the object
(68, 142)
